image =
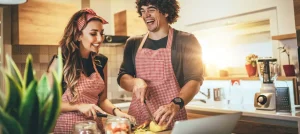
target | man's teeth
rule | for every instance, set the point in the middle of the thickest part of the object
(149, 21)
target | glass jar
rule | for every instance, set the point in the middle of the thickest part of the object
(117, 125)
(86, 127)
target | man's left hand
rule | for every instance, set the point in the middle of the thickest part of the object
(166, 113)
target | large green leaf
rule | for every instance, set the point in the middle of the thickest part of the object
(45, 99)
(59, 67)
(44, 116)
(28, 72)
(9, 124)
(2, 98)
(43, 91)
(29, 110)
(13, 70)
(54, 110)
(13, 95)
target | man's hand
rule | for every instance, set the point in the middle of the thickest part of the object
(166, 113)
(140, 89)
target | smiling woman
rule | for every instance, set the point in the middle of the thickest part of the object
(84, 74)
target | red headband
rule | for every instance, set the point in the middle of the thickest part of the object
(91, 14)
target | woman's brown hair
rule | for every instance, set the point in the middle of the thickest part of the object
(70, 51)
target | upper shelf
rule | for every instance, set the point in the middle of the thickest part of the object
(284, 36)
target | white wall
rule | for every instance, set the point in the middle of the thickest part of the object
(280, 12)
(107, 9)
(196, 11)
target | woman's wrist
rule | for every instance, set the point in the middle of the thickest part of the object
(116, 111)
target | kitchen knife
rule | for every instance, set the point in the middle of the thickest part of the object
(149, 112)
(101, 115)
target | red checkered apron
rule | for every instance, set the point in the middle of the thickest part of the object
(88, 88)
(155, 67)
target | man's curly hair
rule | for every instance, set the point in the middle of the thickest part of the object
(170, 7)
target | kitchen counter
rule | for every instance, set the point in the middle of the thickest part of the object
(247, 110)
(249, 113)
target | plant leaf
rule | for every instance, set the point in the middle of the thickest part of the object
(28, 72)
(283, 51)
(13, 70)
(43, 91)
(9, 124)
(59, 69)
(43, 113)
(13, 95)
(2, 98)
(54, 109)
(29, 110)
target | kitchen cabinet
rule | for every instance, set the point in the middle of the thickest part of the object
(128, 23)
(41, 22)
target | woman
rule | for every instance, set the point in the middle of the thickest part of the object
(84, 73)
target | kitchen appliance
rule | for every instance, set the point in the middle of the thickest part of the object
(266, 98)
(114, 40)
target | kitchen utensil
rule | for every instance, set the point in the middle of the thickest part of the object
(117, 125)
(85, 127)
(283, 99)
(218, 94)
(99, 114)
(149, 112)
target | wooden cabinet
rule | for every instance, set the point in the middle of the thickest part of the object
(128, 23)
(41, 22)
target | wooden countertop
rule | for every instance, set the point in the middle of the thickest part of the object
(247, 78)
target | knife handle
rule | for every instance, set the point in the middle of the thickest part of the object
(101, 115)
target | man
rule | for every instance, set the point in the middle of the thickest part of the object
(163, 67)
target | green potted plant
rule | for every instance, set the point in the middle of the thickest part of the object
(29, 105)
(289, 69)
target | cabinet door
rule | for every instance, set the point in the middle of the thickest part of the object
(42, 22)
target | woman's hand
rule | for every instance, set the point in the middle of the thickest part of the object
(89, 110)
(124, 115)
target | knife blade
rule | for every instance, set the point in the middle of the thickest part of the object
(149, 112)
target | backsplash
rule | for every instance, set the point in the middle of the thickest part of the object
(41, 57)
(114, 54)
(43, 54)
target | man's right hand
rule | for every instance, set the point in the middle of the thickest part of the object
(140, 89)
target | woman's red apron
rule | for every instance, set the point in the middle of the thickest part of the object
(88, 88)
(155, 68)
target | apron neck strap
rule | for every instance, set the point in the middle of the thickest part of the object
(169, 43)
